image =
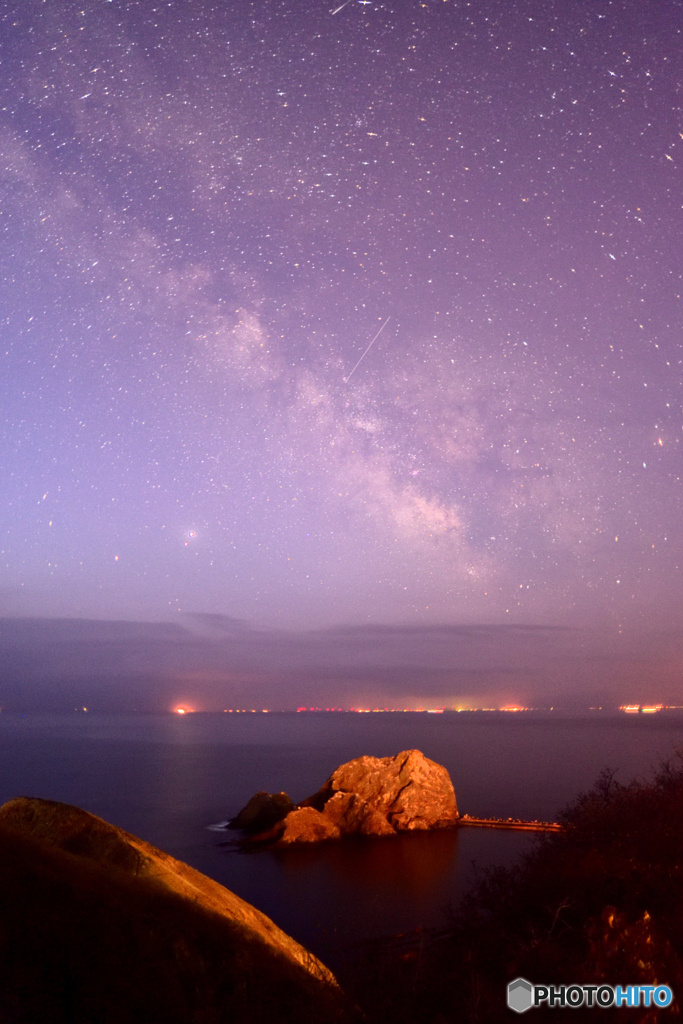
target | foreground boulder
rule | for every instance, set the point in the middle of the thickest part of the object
(372, 796)
(97, 925)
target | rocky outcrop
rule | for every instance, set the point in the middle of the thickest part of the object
(353, 814)
(97, 924)
(372, 796)
(262, 812)
(306, 825)
(381, 795)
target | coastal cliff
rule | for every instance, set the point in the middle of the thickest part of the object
(96, 924)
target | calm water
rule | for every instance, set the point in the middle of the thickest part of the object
(167, 777)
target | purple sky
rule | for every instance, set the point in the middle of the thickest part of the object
(208, 212)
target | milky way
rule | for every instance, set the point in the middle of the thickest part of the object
(208, 212)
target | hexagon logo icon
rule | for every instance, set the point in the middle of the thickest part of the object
(520, 995)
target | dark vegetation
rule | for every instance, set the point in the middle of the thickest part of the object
(600, 903)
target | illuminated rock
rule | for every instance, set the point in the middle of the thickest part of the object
(380, 795)
(97, 924)
(353, 815)
(372, 796)
(306, 825)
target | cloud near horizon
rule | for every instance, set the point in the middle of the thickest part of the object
(210, 662)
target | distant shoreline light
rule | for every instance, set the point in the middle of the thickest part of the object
(629, 709)
(643, 709)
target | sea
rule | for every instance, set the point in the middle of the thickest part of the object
(173, 780)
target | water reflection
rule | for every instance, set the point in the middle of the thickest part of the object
(417, 862)
(333, 895)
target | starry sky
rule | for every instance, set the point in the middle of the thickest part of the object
(364, 316)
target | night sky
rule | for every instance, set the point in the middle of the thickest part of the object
(209, 211)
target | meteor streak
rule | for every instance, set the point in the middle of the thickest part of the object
(347, 379)
(338, 9)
